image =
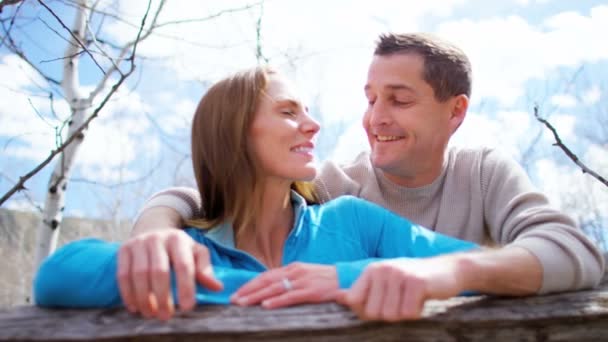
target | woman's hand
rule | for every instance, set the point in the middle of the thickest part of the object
(296, 283)
(144, 272)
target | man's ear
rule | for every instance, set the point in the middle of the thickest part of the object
(460, 104)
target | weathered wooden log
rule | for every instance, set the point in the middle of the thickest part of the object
(576, 316)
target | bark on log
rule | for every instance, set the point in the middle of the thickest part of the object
(576, 316)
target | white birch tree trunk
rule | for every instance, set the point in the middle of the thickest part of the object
(80, 107)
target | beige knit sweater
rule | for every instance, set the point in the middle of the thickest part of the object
(481, 196)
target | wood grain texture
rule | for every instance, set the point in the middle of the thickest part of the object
(576, 316)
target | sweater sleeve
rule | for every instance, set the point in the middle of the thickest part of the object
(82, 274)
(186, 201)
(519, 215)
(388, 235)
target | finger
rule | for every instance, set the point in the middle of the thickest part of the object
(264, 293)
(256, 284)
(375, 298)
(412, 302)
(292, 297)
(124, 279)
(204, 270)
(341, 297)
(357, 295)
(182, 260)
(160, 279)
(391, 305)
(140, 281)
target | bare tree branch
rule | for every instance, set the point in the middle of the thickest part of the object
(209, 17)
(10, 26)
(259, 55)
(125, 49)
(8, 3)
(567, 151)
(25, 193)
(122, 183)
(20, 185)
(72, 34)
(176, 22)
(13, 48)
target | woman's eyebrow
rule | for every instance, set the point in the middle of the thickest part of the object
(291, 102)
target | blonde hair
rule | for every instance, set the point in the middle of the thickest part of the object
(226, 173)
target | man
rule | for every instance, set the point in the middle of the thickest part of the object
(418, 91)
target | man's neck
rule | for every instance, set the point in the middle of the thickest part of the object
(415, 178)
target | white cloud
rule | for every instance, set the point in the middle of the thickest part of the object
(508, 131)
(592, 95)
(116, 138)
(508, 51)
(563, 100)
(564, 124)
(350, 144)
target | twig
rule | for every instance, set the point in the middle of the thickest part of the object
(570, 154)
(258, 34)
(13, 47)
(21, 183)
(7, 3)
(62, 58)
(119, 184)
(10, 26)
(73, 35)
(209, 17)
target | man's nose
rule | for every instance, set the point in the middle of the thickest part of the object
(378, 114)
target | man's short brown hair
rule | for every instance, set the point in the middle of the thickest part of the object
(446, 68)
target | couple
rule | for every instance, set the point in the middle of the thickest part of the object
(259, 216)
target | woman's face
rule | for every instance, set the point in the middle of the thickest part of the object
(282, 133)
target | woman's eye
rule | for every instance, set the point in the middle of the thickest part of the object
(288, 112)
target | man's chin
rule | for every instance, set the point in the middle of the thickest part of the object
(381, 162)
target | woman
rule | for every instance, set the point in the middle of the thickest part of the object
(252, 143)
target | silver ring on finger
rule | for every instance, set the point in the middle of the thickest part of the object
(287, 284)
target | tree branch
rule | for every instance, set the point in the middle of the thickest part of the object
(258, 34)
(8, 3)
(567, 151)
(21, 183)
(74, 37)
(13, 48)
(126, 48)
(10, 25)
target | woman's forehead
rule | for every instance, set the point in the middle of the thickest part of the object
(280, 88)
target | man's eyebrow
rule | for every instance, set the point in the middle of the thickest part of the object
(393, 87)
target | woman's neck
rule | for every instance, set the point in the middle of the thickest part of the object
(272, 224)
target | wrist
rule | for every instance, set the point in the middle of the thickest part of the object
(470, 273)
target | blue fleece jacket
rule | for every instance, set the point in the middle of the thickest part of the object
(347, 232)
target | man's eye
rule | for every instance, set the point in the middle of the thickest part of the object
(288, 112)
(402, 103)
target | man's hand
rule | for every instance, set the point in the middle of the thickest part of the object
(396, 289)
(296, 283)
(144, 272)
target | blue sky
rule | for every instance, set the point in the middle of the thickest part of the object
(523, 52)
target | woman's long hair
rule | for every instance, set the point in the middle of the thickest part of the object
(226, 172)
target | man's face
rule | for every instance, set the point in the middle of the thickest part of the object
(407, 127)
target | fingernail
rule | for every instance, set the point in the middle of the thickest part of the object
(241, 301)
(266, 304)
